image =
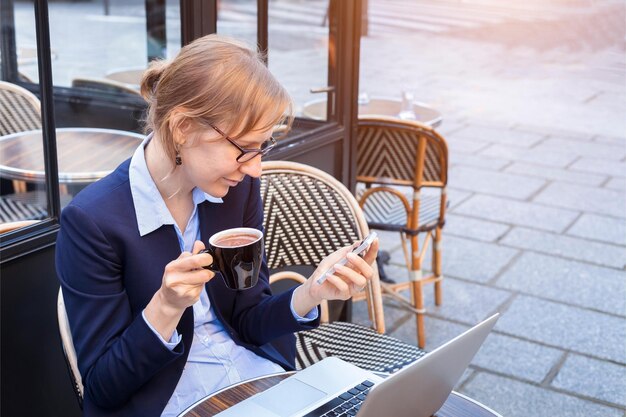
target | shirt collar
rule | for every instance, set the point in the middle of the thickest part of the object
(150, 208)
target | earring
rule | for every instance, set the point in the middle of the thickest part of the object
(179, 160)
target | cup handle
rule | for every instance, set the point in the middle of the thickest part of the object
(211, 267)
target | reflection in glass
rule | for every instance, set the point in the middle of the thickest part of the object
(238, 19)
(113, 39)
(299, 48)
(22, 201)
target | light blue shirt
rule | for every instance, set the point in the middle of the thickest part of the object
(215, 360)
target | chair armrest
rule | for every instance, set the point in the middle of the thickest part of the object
(299, 278)
(369, 191)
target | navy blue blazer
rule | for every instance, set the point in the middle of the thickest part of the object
(109, 274)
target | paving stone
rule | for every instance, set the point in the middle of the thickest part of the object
(608, 382)
(456, 145)
(464, 301)
(511, 356)
(512, 398)
(585, 285)
(555, 132)
(471, 228)
(500, 135)
(587, 199)
(549, 158)
(557, 174)
(400, 323)
(448, 127)
(388, 241)
(496, 183)
(461, 258)
(483, 162)
(438, 331)
(609, 99)
(474, 261)
(619, 141)
(600, 166)
(572, 328)
(607, 229)
(456, 197)
(589, 149)
(397, 255)
(617, 183)
(467, 374)
(569, 247)
(517, 212)
(396, 269)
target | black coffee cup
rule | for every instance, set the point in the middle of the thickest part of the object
(237, 255)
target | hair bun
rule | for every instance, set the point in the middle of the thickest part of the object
(151, 77)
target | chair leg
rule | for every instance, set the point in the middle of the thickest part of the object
(437, 266)
(418, 296)
(405, 250)
(417, 293)
(19, 186)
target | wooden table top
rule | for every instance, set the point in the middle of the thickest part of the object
(457, 405)
(85, 154)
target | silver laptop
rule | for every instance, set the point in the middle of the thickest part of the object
(332, 387)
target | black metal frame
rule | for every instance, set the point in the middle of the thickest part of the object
(8, 47)
(198, 18)
(155, 29)
(28, 239)
(28, 282)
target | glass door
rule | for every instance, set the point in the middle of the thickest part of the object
(313, 49)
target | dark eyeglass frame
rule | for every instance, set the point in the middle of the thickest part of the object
(267, 146)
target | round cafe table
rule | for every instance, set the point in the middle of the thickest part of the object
(130, 76)
(457, 405)
(377, 106)
(85, 154)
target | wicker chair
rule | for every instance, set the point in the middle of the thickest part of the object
(402, 172)
(13, 209)
(309, 215)
(68, 349)
(20, 111)
(11, 226)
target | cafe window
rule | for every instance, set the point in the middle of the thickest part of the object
(98, 51)
(23, 187)
(299, 58)
(94, 56)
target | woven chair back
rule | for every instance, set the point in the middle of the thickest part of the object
(308, 214)
(400, 152)
(20, 110)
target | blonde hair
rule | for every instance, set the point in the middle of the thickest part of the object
(213, 80)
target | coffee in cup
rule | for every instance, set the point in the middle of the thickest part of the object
(237, 256)
(235, 240)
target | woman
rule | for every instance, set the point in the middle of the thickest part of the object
(153, 331)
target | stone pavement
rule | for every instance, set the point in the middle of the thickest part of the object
(534, 117)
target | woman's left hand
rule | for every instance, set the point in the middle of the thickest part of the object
(342, 284)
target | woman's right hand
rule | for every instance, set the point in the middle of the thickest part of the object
(183, 281)
(184, 278)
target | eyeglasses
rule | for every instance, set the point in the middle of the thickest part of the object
(248, 154)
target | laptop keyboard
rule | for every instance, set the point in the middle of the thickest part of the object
(346, 404)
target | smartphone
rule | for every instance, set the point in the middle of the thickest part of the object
(363, 245)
